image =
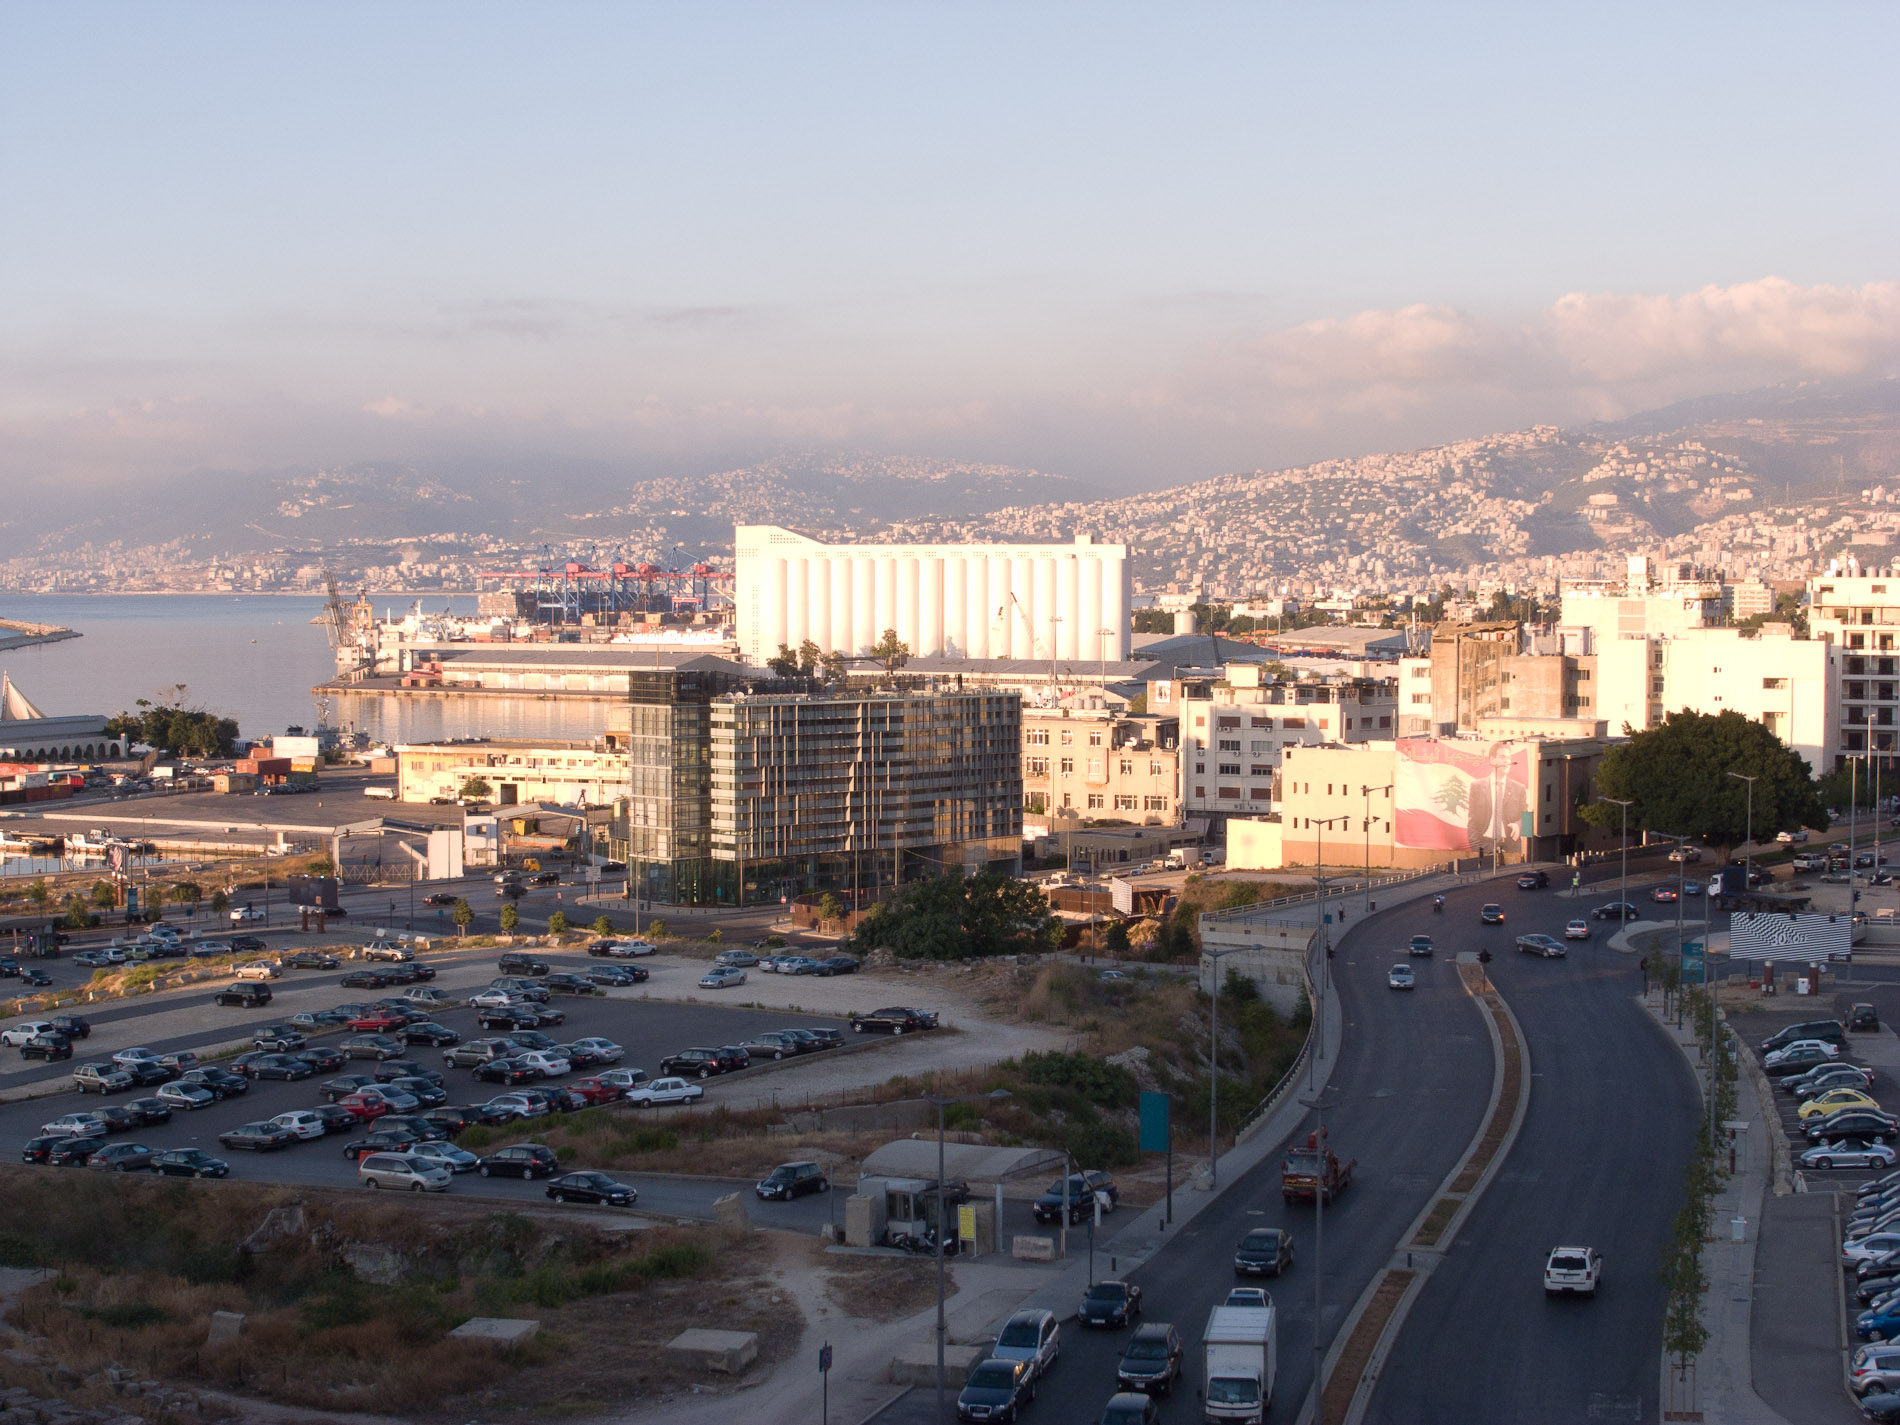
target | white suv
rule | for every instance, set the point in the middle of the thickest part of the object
(1573, 1271)
(1031, 1337)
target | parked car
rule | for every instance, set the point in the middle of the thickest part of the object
(304, 1122)
(1080, 1191)
(565, 984)
(185, 1096)
(1264, 1252)
(596, 1188)
(221, 1082)
(1833, 1101)
(373, 1046)
(190, 1163)
(248, 995)
(623, 1079)
(1853, 1123)
(1849, 1153)
(522, 1160)
(615, 977)
(281, 1038)
(721, 978)
(605, 1051)
(18, 1034)
(689, 1062)
(659, 1091)
(258, 1137)
(1832, 1030)
(151, 1111)
(101, 1079)
(311, 960)
(896, 1019)
(836, 965)
(736, 959)
(516, 963)
(1874, 1369)
(47, 1047)
(403, 1171)
(622, 949)
(74, 1152)
(1109, 1303)
(790, 1180)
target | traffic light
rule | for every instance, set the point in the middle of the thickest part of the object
(1484, 957)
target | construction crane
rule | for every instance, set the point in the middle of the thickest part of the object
(1002, 618)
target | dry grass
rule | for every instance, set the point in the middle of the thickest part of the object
(715, 1143)
(883, 1288)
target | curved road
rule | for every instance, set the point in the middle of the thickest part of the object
(1599, 1161)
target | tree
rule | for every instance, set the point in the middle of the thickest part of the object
(463, 915)
(172, 727)
(830, 908)
(716, 935)
(39, 893)
(603, 926)
(784, 662)
(476, 789)
(220, 902)
(1676, 777)
(1115, 939)
(656, 930)
(188, 893)
(105, 895)
(810, 655)
(557, 923)
(510, 918)
(835, 667)
(891, 651)
(77, 916)
(958, 917)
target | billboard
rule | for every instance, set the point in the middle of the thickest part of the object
(1461, 796)
(1778, 935)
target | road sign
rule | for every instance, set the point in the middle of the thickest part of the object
(824, 1358)
(1154, 1122)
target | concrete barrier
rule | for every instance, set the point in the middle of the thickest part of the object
(1032, 1249)
(916, 1364)
(728, 1352)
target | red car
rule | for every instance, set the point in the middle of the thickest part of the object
(376, 1021)
(364, 1107)
(594, 1091)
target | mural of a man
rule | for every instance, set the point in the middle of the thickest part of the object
(1495, 811)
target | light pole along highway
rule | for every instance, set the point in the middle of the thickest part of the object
(943, 1227)
(1623, 886)
(1366, 826)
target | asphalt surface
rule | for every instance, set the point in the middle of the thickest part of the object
(1599, 1162)
(1409, 1092)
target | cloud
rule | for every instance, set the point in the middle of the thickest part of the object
(392, 406)
(1586, 354)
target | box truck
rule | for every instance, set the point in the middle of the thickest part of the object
(1237, 1364)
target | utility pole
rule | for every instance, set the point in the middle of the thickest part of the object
(1748, 850)
(1367, 792)
(1325, 948)
(1623, 887)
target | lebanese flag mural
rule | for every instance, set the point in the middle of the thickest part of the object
(1459, 796)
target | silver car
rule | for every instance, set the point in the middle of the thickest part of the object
(403, 1170)
(1032, 1337)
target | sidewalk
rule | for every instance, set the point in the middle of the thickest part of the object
(1725, 1377)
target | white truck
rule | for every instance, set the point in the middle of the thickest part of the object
(1238, 1358)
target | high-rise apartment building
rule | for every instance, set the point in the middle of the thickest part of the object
(1102, 765)
(1859, 614)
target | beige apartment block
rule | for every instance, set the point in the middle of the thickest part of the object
(1102, 766)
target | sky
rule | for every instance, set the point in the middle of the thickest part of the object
(1131, 245)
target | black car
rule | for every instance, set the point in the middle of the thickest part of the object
(373, 1046)
(546, 878)
(1853, 1123)
(73, 1152)
(287, 1067)
(477, 1052)
(280, 1038)
(150, 1073)
(1152, 1359)
(581, 1058)
(827, 1038)
(512, 890)
(336, 1118)
(453, 1119)
(532, 1039)
(37, 1149)
(119, 1117)
(1616, 910)
(529, 991)
(312, 960)
(251, 945)
(504, 1071)
(1863, 1018)
(248, 995)
(508, 1017)
(592, 1187)
(324, 1058)
(261, 1137)
(367, 980)
(71, 1025)
(151, 1111)
(391, 1069)
(344, 1085)
(1264, 1252)
(835, 965)
(437, 1036)
(1533, 880)
(896, 1019)
(618, 976)
(1111, 1303)
(565, 984)
(441, 898)
(383, 1140)
(48, 1047)
(416, 1125)
(807, 1042)
(524, 1160)
(1080, 1190)
(426, 1092)
(996, 1389)
(1798, 1061)
(319, 1018)
(517, 964)
(790, 1180)
(34, 975)
(692, 1063)
(222, 1083)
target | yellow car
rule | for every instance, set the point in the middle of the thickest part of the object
(1834, 1100)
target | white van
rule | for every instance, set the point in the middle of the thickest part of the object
(380, 794)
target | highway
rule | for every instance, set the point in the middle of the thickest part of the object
(1599, 1162)
(1411, 1087)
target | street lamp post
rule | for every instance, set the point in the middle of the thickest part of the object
(1748, 849)
(1623, 887)
(1319, 1104)
(1213, 1063)
(1367, 792)
(1325, 950)
(943, 1236)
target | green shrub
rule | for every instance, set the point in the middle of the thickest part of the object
(1103, 1084)
(126, 1315)
(480, 1136)
(653, 1140)
(1101, 1145)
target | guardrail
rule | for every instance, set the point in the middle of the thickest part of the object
(1356, 887)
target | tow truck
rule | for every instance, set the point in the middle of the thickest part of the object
(1314, 1172)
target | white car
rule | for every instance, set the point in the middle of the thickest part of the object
(185, 1096)
(162, 931)
(128, 1058)
(302, 1122)
(1849, 1153)
(1791, 838)
(547, 1065)
(16, 1036)
(629, 949)
(1770, 1060)
(1400, 977)
(493, 999)
(609, 1052)
(723, 978)
(74, 1125)
(259, 970)
(1573, 1271)
(446, 1155)
(665, 1091)
(1867, 1248)
(242, 913)
(1577, 930)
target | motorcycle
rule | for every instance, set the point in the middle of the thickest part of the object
(1438, 903)
(923, 1244)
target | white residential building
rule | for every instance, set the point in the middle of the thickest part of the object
(1859, 613)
